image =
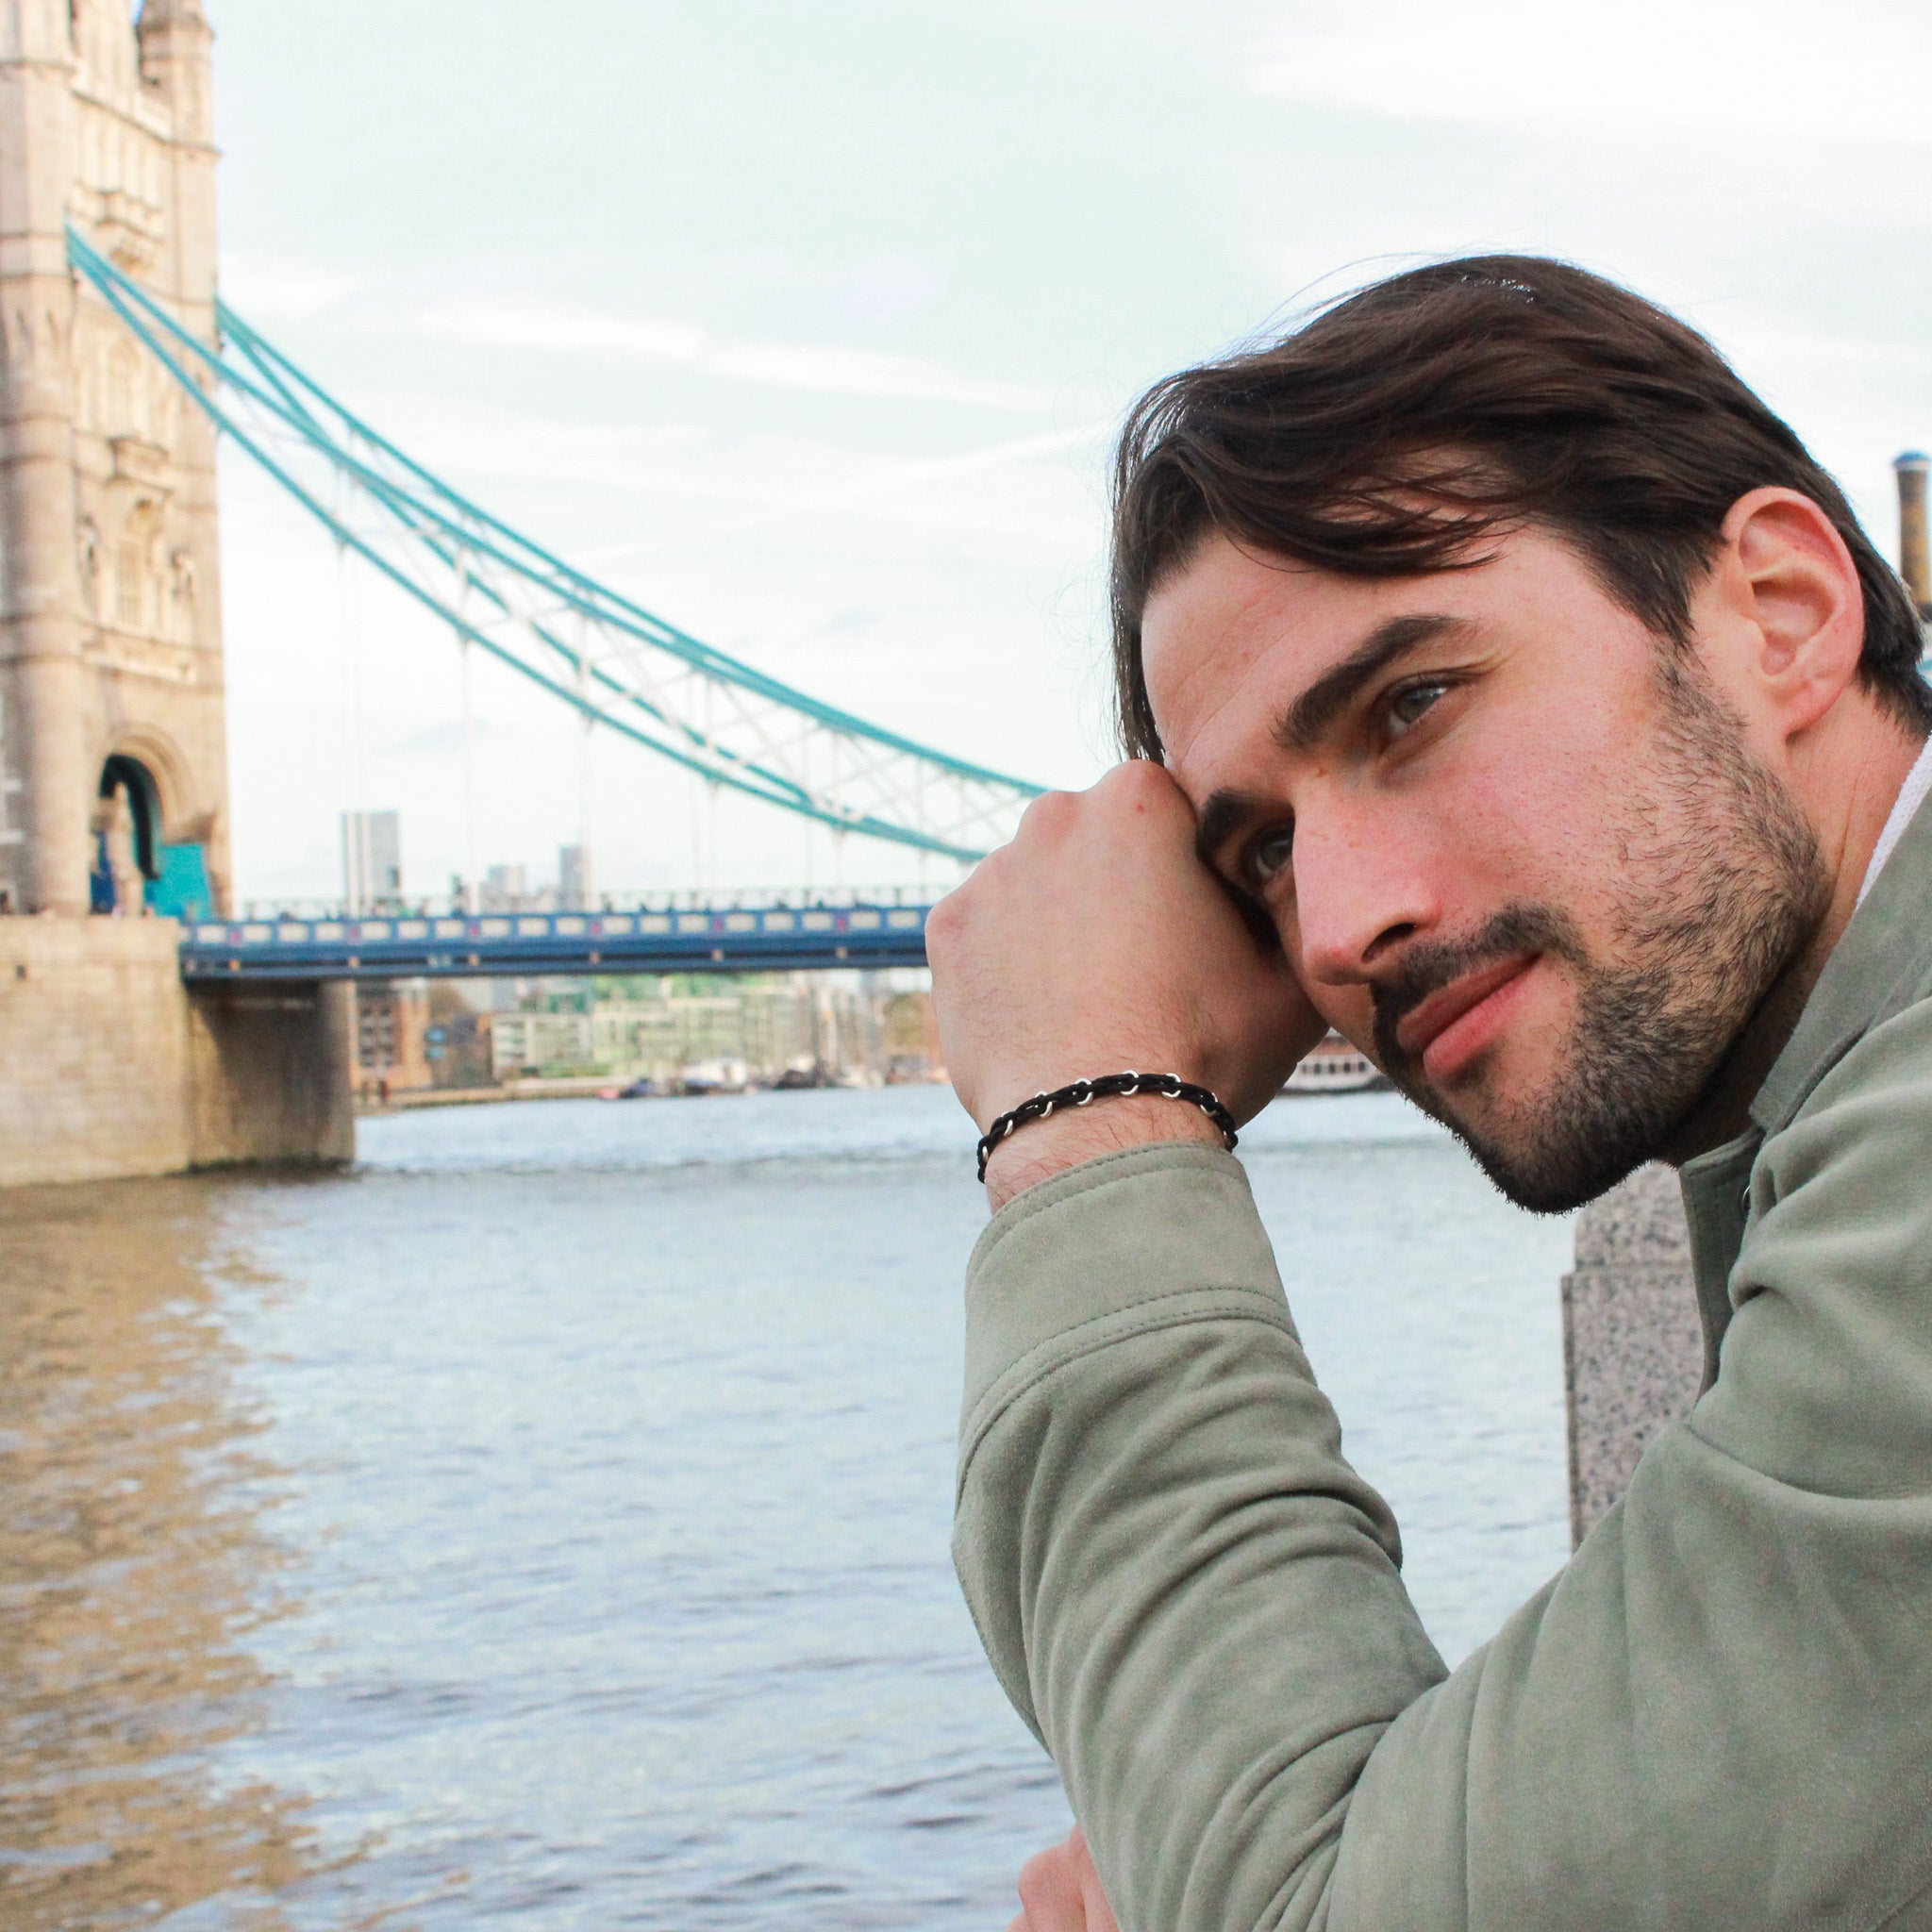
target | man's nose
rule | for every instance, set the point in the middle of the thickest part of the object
(1361, 891)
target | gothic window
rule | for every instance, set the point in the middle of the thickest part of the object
(130, 570)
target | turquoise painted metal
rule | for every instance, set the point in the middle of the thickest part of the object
(585, 645)
(180, 888)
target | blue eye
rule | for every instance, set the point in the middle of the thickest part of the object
(1272, 855)
(1408, 708)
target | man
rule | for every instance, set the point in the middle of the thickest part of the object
(1506, 687)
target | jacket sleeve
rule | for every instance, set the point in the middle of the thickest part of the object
(1713, 1718)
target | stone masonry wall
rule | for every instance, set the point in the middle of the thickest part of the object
(109, 1066)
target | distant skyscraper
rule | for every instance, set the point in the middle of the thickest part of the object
(504, 890)
(371, 858)
(575, 883)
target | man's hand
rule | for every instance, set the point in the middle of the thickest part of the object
(1095, 942)
(1060, 1891)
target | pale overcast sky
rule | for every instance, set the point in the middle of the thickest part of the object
(805, 324)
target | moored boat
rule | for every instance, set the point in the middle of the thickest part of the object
(1334, 1066)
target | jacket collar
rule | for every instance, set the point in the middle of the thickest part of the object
(1881, 964)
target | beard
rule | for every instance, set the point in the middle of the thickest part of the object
(1725, 886)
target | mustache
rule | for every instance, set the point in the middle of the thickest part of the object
(1428, 965)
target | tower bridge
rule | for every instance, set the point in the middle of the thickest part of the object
(198, 1035)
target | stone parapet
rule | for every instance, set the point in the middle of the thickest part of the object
(109, 1067)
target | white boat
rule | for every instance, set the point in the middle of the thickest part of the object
(715, 1076)
(1335, 1066)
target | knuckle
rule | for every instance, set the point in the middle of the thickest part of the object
(944, 945)
(1140, 788)
(1050, 813)
(1139, 779)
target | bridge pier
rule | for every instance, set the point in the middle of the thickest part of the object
(270, 1074)
(115, 1067)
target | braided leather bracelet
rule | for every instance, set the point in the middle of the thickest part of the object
(1109, 1086)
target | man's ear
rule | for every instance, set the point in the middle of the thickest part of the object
(1789, 622)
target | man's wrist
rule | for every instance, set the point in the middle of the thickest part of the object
(1038, 1151)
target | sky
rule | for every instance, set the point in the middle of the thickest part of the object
(808, 329)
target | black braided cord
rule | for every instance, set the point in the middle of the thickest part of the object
(1108, 1087)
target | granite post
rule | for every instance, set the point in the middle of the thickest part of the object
(1633, 1349)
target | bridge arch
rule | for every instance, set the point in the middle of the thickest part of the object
(146, 855)
(164, 770)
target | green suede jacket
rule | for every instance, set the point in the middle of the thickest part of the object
(1719, 1715)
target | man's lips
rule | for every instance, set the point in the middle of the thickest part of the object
(1446, 1030)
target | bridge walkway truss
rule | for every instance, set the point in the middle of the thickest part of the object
(529, 944)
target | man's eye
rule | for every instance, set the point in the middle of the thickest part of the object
(1406, 708)
(1273, 854)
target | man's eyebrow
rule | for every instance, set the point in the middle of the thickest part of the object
(1312, 714)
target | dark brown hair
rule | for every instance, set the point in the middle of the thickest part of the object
(1400, 427)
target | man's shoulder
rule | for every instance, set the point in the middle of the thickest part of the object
(1872, 1103)
(1825, 1376)
(1850, 1167)
(1878, 974)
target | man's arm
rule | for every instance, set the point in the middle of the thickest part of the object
(1184, 1588)
(1097, 942)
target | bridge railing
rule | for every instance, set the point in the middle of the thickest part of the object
(717, 899)
(702, 939)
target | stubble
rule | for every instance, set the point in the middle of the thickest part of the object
(1721, 885)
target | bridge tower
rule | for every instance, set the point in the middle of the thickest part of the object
(113, 759)
(113, 766)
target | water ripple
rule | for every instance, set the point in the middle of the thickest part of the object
(546, 1524)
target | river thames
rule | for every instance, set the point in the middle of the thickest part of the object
(546, 1523)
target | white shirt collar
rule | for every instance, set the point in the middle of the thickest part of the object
(1911, 795)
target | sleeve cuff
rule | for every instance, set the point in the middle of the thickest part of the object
(1141, 1239)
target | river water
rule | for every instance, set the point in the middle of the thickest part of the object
(545, 1524)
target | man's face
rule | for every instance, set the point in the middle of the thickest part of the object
(1511, 841)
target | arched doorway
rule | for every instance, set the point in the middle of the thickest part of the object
(135, 869)
(127, 826)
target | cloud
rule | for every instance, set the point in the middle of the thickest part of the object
(892, 481)
(265, 285)
(560, 328)
(1780, 67)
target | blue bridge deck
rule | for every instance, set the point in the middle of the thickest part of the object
(765, 938)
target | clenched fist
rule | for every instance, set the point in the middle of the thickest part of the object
(1096, 942)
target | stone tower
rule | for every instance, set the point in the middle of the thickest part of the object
(114, 765)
